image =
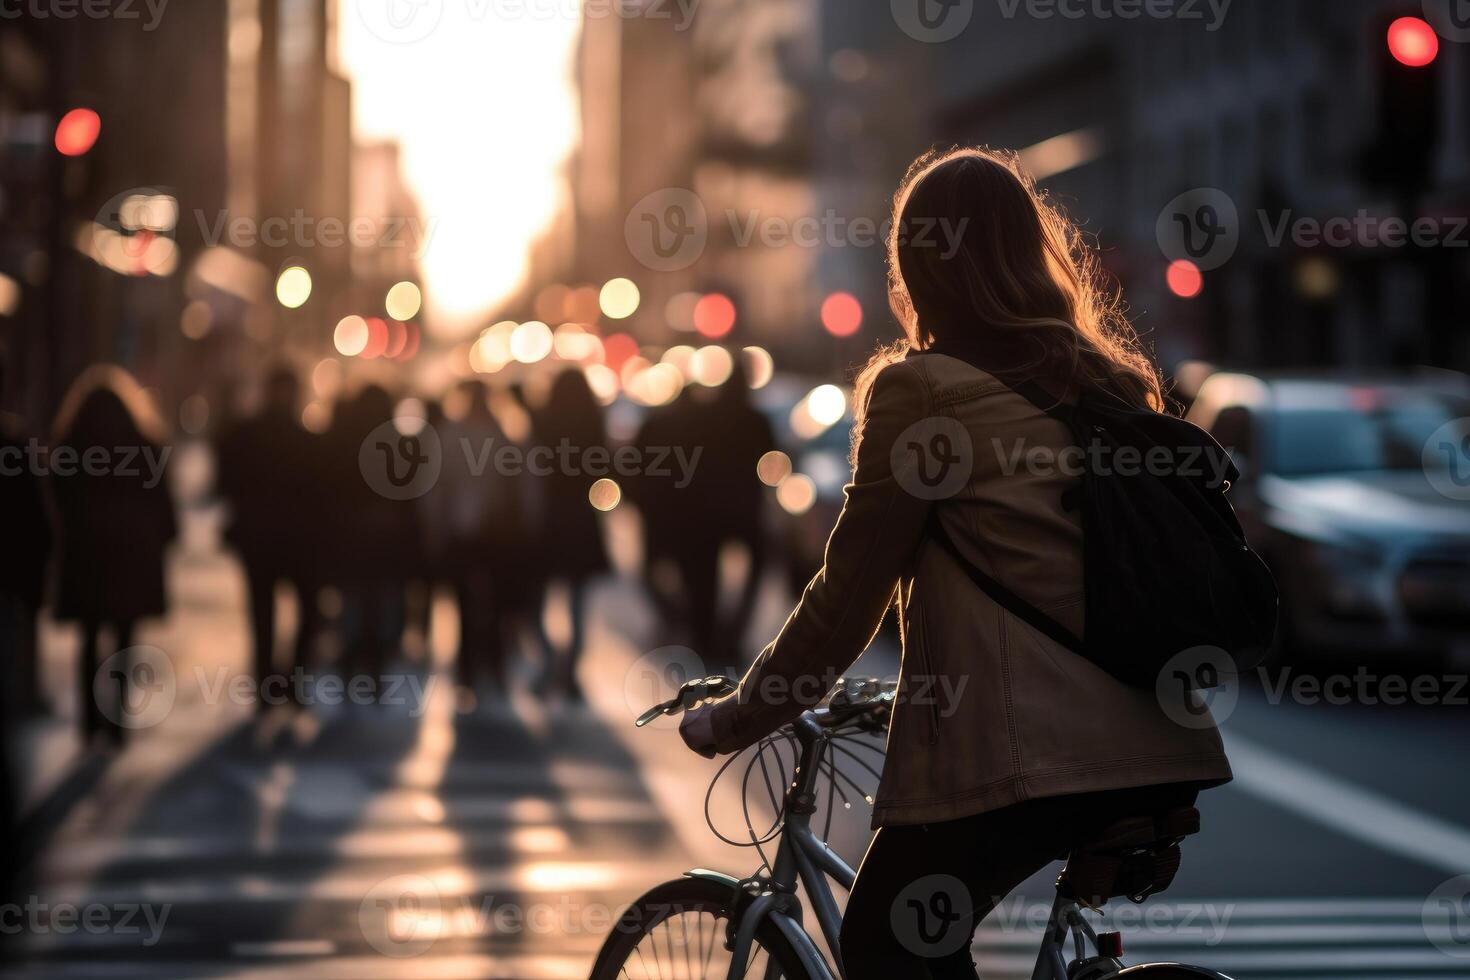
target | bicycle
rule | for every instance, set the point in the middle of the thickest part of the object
(752, 927)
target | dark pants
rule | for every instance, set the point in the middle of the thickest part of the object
(481, 628)
(262, 580)
(924, 889)
(103, 700)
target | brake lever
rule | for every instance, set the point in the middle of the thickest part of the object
(689, 695)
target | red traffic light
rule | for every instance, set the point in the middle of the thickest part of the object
(1412, 42)
(77, 132)
(1185, 279)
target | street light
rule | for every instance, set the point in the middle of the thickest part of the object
(404, 301)
(293, 288)
(619, 299)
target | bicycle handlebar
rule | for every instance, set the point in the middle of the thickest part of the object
(866, 700)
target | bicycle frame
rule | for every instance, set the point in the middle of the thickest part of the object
(800, 857)
(803, 857)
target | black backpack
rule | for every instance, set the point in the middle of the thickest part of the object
(1165, 562)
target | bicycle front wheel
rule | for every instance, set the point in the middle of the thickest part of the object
(677, 932)
(1169, 971)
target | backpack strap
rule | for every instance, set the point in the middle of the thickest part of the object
(1003, 596)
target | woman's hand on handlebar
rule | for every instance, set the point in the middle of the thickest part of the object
(697, 729)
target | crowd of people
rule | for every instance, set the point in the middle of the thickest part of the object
(303, 516)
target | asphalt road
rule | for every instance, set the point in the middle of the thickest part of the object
(413, 839)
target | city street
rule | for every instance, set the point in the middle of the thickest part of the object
(409, 840)
(505, 367)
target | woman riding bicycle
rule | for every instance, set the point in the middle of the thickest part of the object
(1006, 748)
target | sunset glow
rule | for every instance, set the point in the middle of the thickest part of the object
(485, 109)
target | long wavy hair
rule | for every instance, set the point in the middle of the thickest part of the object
(980, 261)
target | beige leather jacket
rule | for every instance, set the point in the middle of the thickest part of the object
(990, 711)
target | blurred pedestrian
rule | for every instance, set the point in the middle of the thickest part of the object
(116, 519)
(662, 518)
(28, 540)
(478, 518)
(268, 474)
(680, 513)
(739, 434)
(431, 570)
(369, 537)
(27, 535)
(570, 548)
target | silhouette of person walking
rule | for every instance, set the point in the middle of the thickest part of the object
(27, 535)
(570, 548)
(267, 473)
(116, 519)
(370, 538)
(479, 517)
(688, 523)
(28, 540)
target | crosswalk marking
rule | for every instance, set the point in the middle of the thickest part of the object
(1353, 810)
(1288, 939)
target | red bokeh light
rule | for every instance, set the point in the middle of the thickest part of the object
(842, 314)
(617, 349)
(377, 343)
(714, 315)
(1412, 42)
(77, 132)
(1185, 279)
(397, 339)
(410, 342)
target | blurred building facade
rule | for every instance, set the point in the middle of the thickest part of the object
(226, 157)
(772, 111)
(1118, 116)
(97, 239)
(709, 117)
